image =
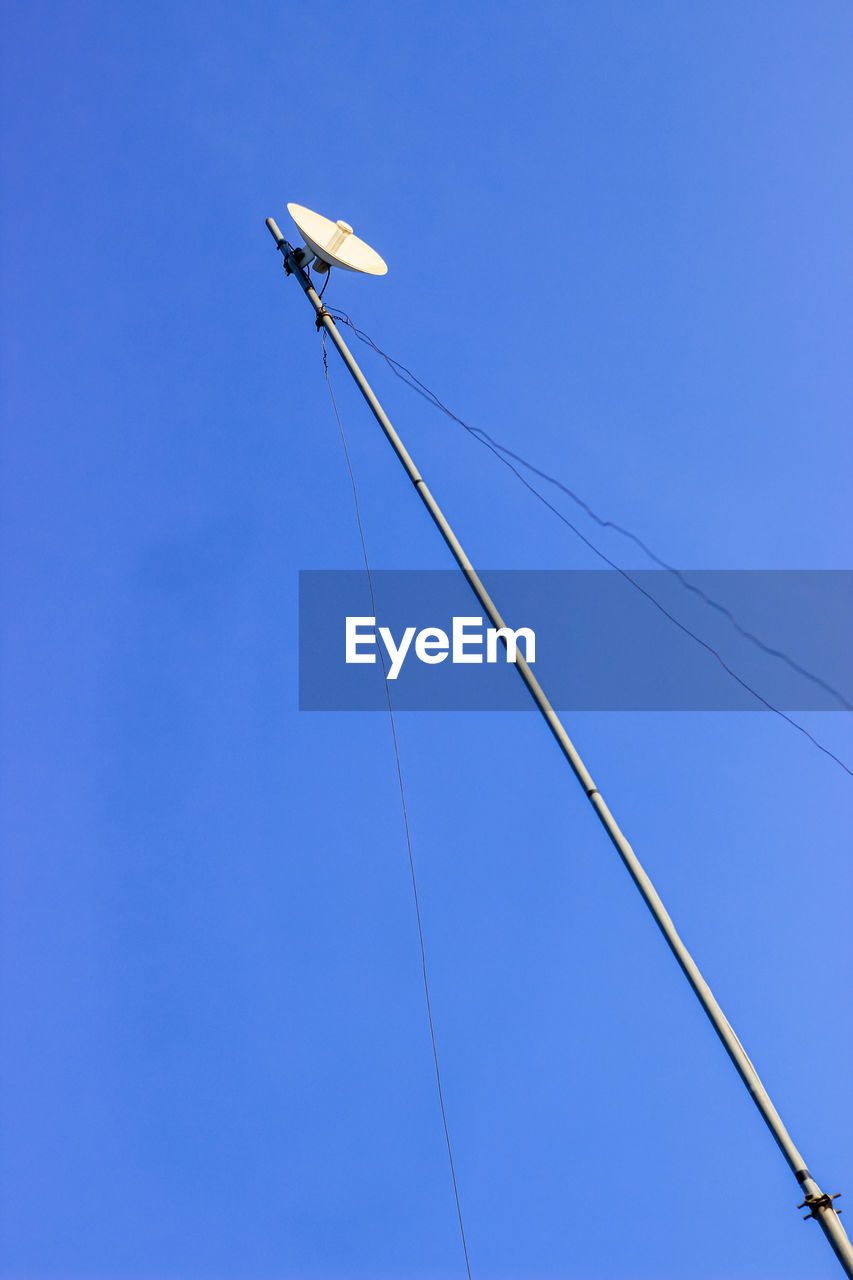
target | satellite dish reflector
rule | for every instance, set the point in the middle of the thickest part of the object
(334, 243)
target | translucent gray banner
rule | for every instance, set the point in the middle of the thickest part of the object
(598, 641)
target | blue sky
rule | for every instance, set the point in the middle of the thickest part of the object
(618, 239)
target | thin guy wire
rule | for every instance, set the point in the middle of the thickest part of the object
(405, 816)
(499, 451)
(414, 383)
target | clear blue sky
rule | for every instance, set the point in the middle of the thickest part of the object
(216, 1060)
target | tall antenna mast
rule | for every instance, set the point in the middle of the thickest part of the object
(332, 244)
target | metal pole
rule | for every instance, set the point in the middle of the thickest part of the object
(819, 1204)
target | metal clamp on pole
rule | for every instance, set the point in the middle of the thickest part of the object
(818, 1203)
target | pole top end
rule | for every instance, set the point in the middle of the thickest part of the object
(274, 231)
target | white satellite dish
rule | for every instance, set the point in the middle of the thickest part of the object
(334, 244)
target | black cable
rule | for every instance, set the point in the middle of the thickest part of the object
(405, 816)
(405, 375)
(499, 451)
